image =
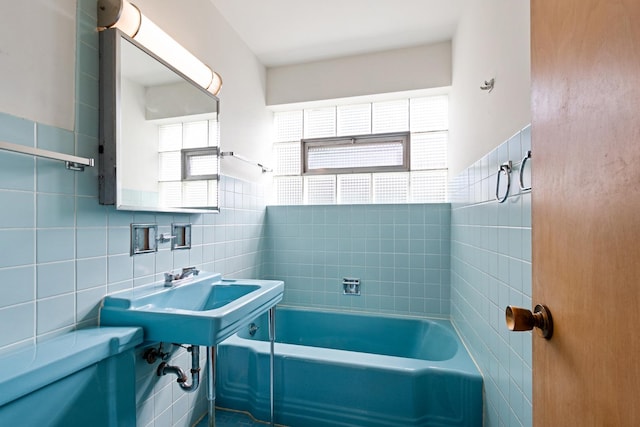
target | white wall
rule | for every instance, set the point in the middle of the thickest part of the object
(245, 123)
(492, 41)
(399, 70)
(138, 155)
(37, 60)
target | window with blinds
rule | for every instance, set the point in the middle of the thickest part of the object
(379, 152)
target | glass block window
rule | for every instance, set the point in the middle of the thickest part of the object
(320, 190)
(197, 142)
(170, 137)
(354, 189)
(170, 166)
(353, 119)
(356, 154)
(287, 158)
(170, 193)
(429, 186)
(195, 193)
(429, 150)
(338, 154)
(320, 122)
(195, 134)
(287, 126)
(200, 163)
(203, 165)
(390, 188)
(390, 116)
(214, 133)
(288, 190)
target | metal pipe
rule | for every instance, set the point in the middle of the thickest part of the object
(164, 368)
(211, 385)
(272, 339)
(72, 162)
(244, 159)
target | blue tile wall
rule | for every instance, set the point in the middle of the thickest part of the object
(490, 269)
(400, 253)
(61, 251)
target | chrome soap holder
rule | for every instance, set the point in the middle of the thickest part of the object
(351, 286)
(181, 236)
(143, 239)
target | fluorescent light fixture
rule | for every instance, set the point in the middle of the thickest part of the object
(127, 18)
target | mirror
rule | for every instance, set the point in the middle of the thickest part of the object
(159, 133)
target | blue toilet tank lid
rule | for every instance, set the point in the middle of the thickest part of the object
(30, 368)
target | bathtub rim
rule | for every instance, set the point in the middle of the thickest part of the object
(346, 310)
(461, 362)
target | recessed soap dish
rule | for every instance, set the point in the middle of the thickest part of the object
(182, 236)
(143, 239)
(350, 286)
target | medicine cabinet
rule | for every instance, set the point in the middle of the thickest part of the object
(159, 133)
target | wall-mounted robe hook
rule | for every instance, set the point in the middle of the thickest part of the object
(488, 85)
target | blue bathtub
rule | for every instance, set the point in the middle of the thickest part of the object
(343, 369)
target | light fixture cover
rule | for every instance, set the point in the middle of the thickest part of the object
(127, 18)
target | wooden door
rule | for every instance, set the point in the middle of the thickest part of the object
(586, 210)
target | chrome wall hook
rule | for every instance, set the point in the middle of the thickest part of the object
(488, 85)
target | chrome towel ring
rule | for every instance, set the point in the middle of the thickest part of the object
(505, 169)
(525, 159)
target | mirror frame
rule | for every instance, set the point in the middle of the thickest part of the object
(110, 130)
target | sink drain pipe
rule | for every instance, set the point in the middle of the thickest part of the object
(164, 368)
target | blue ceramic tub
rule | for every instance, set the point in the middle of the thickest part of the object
(343, 369)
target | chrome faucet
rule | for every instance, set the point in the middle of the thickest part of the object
(170, 278)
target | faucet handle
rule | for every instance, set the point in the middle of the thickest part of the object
(193, 270)
(168, 277)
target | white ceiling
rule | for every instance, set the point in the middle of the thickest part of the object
(282, 32)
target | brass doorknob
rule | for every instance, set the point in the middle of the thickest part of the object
(521, 319)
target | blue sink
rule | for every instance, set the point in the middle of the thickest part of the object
(202, 310)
